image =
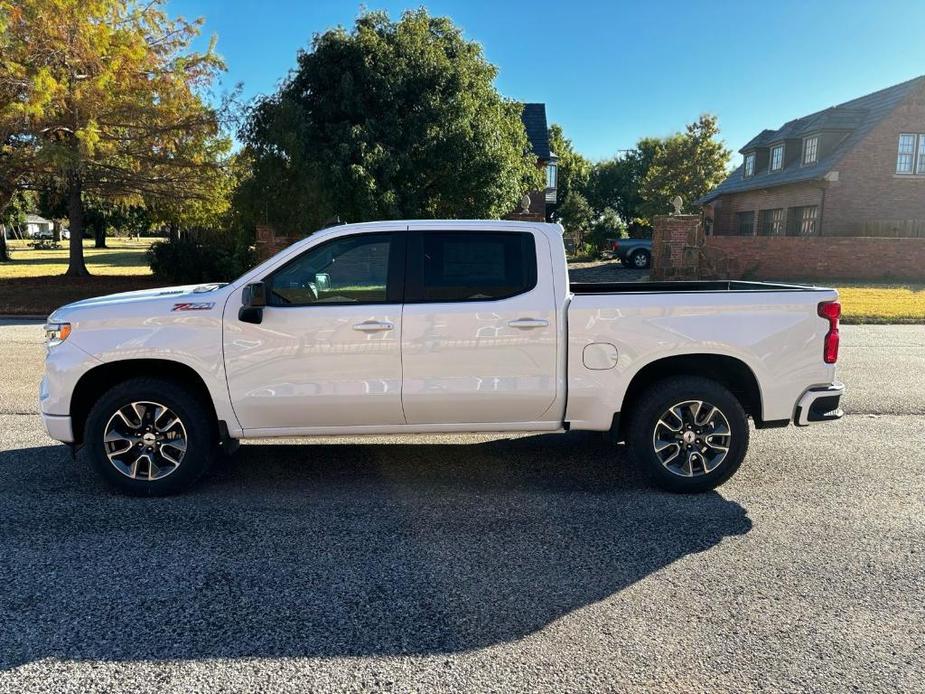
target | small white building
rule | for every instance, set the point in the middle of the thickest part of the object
(37, 226)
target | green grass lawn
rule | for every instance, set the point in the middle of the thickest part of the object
(868, 302)
(123, 257)
(33, 284)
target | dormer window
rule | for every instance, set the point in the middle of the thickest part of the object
(777, 157)
(749, 165)
(810, 149)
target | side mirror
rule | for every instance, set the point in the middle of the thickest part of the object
(253, 300)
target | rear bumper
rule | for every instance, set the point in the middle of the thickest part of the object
(58, 427)
(819, 404)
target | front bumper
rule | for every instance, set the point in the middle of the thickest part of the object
(819, 404)
(59, 427)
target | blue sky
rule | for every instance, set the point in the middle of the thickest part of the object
(612, 72)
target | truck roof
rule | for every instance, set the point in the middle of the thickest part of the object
(495, 224)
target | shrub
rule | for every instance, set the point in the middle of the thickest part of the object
(208, 256)
(590, 251)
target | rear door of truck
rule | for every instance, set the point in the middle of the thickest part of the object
(479, 327)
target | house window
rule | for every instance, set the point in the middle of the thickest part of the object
(808, 220)
(745, 223)
(772, 222)
(802, 221)
(920, 164)
(810, 149)
(749, 165)
(777, 157)
(905, 156)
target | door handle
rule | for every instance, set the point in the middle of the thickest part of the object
(528, 323)
(372, 326)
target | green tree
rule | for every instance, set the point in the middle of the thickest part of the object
(689, 164)
(391, 119)
(573, 169)
(110, 103)
(12, 215)
(576, 216)
(606, 225)
(615, 183)
(572, 210)
(104, 217)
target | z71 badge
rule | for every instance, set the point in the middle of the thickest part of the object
(194, 306)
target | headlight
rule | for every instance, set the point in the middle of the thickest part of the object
(56, 333)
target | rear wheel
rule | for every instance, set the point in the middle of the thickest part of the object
(688, 434)
(639, 260)
(150, 437)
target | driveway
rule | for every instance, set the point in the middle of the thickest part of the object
(605, 271)
(476, 563)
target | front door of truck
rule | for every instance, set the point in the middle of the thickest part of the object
(328, 350)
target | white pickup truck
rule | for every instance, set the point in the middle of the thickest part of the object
(435, 326)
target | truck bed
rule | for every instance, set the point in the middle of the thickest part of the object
(774, 329)
(686, 287)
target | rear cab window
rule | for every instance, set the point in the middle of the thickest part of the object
(457, 266)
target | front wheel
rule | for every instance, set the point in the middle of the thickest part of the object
(688, 434)
(149, 437)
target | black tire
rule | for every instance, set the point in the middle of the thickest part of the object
(639, 259)
(199, 429)
(644, 428)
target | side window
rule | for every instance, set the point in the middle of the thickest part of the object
(470, 266)
(348, 270)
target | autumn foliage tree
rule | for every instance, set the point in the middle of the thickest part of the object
(105, 98)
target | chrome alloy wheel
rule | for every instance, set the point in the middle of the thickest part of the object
(692, 438)
(145, 440)
(640, 260)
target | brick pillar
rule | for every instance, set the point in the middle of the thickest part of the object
(269, 243)
(676, 244)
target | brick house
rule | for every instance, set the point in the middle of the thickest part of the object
(856, 169)
(542, 202)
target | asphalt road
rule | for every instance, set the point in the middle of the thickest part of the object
(536, 563)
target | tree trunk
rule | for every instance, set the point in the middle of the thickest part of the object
(4, 252)
(173, 233)
(56, 231)
(100, 236)
(75, 216)
(6, 196)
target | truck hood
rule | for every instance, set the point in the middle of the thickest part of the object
(189, 297)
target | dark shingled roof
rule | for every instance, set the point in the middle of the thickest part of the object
(534, 118)
(856, 117)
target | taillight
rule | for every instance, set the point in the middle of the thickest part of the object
(831, 311)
